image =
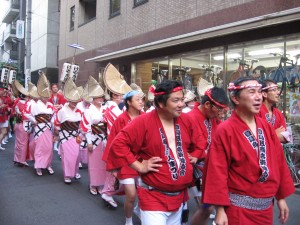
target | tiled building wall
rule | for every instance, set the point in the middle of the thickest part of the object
(186, 15)
(150, 22)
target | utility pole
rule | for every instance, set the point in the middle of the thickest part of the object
(28, 44)
(21, 42)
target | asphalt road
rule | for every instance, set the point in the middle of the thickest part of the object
(26, 199)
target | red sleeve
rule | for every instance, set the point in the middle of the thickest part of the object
(286, 184)
(216, 166)
(113, 133)
(61, 100)
(199, 142)
(125, 145)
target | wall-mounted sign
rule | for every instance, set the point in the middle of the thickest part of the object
(20, 29)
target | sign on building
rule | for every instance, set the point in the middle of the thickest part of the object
(20, 29)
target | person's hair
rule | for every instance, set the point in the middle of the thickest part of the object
(22, 96)
(217, 94)
(237, 82)
(54, 84)
(126, 102)
(166, 86)
(148, 104)
(266, 83)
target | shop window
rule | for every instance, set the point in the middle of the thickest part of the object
(275, 59)
(115, 8)
(138, 2)
(191, 68)
(72, 18)
(87, 11)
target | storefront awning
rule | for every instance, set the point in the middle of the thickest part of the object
(235, 27)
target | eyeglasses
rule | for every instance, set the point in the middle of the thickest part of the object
(273, 89)
(219, 109)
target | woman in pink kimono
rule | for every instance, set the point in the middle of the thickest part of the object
(41, 115)
(67, 127)
(95, 133)
(22, 126)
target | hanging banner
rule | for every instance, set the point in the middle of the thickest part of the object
(20, 29)
(4, 75)
(12, 76)
(64, 75)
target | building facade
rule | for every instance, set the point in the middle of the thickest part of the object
(183, 39)
(44, 31)
(44, 39)
(12, 49)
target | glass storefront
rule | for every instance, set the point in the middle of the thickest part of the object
(274, 58)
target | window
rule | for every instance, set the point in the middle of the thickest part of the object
(87, 11)
(115, 6)
(138, 2)
(72, 18)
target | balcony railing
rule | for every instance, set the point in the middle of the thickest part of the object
(9, 33)
(12, 12)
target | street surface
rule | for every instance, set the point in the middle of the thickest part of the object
(26, 199)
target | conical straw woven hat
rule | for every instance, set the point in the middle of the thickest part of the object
(189, 96)
(114, 81)
(14, 90)
(94, 88)
(85, 94)
(71, 92)
(20, 87)
(43, 86)
(203, 85)
(32, 90)
(137, 88)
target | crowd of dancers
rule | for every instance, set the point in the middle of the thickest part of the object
(158, 149)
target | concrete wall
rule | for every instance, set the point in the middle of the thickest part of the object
(44, 35)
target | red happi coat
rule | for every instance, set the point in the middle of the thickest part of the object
(206, 126)
(144, 138)
(60, 99)
(277, 119)
(234, 165)
(122, 121)
(4, 102)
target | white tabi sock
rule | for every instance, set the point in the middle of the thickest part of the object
(128, 221)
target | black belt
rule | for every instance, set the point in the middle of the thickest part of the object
(150, 188)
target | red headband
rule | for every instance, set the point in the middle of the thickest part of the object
(152, 90)
(270, 86)
(208, 94)
(232, 87)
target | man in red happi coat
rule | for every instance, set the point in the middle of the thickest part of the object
(156, 145)
(268, 110)
(244, 172)
(213, 103)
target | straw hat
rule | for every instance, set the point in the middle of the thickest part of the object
(43, 86)
(189, 96)
(14, 90)
(32, 90)
(71, 92)
(85, 94)
(203, 85)
(106, 94)
(137, 88)
(150, 95)
(94, 88)
(114, 81)
(20, 88)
